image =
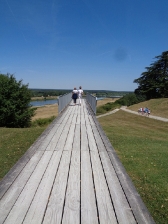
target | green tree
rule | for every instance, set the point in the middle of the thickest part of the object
(15, 97)
(153, 83)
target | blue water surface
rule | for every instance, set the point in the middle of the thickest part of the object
(43, 102)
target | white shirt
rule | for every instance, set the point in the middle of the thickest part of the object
(80, 91)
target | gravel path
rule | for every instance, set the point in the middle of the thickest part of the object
(133, 112)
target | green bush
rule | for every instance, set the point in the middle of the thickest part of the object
(41, 122)
(128, 100)
(15, 97)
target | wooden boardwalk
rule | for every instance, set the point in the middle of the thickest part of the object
(71, 174)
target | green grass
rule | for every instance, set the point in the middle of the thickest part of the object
(106, 108)
(158, 107)
(14, 142)
(142, 146)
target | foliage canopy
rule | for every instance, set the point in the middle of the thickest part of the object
(153, 83)
(15, 97)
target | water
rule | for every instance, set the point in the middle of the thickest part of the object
(38, 103)
(43, 102)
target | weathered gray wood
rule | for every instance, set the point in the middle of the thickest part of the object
(77, 138)
(9, 199)
(84, 138)
(82, 119)
(64, 116)
(88, 201)
(53, 143)
(36, 211)
(116, 191)
(20, 208)
(63, 137)
(105, 207)
(69, 121)
(78, 120)
(91, 139)
(99, 142)
(72, 202)
(73, 121)
(70, 137)
(49, 137)
(56, 202)
(87, 121)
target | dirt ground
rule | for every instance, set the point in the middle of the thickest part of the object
(46, 111)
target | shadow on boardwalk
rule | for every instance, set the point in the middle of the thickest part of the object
(71, 174)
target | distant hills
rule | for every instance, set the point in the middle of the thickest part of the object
(57, 92)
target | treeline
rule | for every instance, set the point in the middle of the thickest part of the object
(48, 92)
(58, 92)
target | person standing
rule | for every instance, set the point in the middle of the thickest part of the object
(80, 93)
(74, 95)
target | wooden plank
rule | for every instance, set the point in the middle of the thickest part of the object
(99, 142)
(69, 119)
(82, 119)
(87, 121)
(73, 121)
(105, 207)
(78, 120)
(91, 139)
(63, 137)
(53, 143)
(91, 120)
(70, 137)
(72, 201)
(48, 138)
(84, 138)
(76, 140)
(122, 208)
(56, 202)
(36, 211)
(10, 197)
(20, 208)
(88, 202)
(64, 116)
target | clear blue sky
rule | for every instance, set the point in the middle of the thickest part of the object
(99, 44)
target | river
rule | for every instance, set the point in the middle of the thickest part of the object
(39, 103)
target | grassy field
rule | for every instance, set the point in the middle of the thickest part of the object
(142, 146)
(158, 107)
(14, 142)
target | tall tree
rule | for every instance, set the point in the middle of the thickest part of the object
(15, 97)
(153, 83)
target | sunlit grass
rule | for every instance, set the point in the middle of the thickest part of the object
(14, 142)
(142, 146)
(158, 107)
